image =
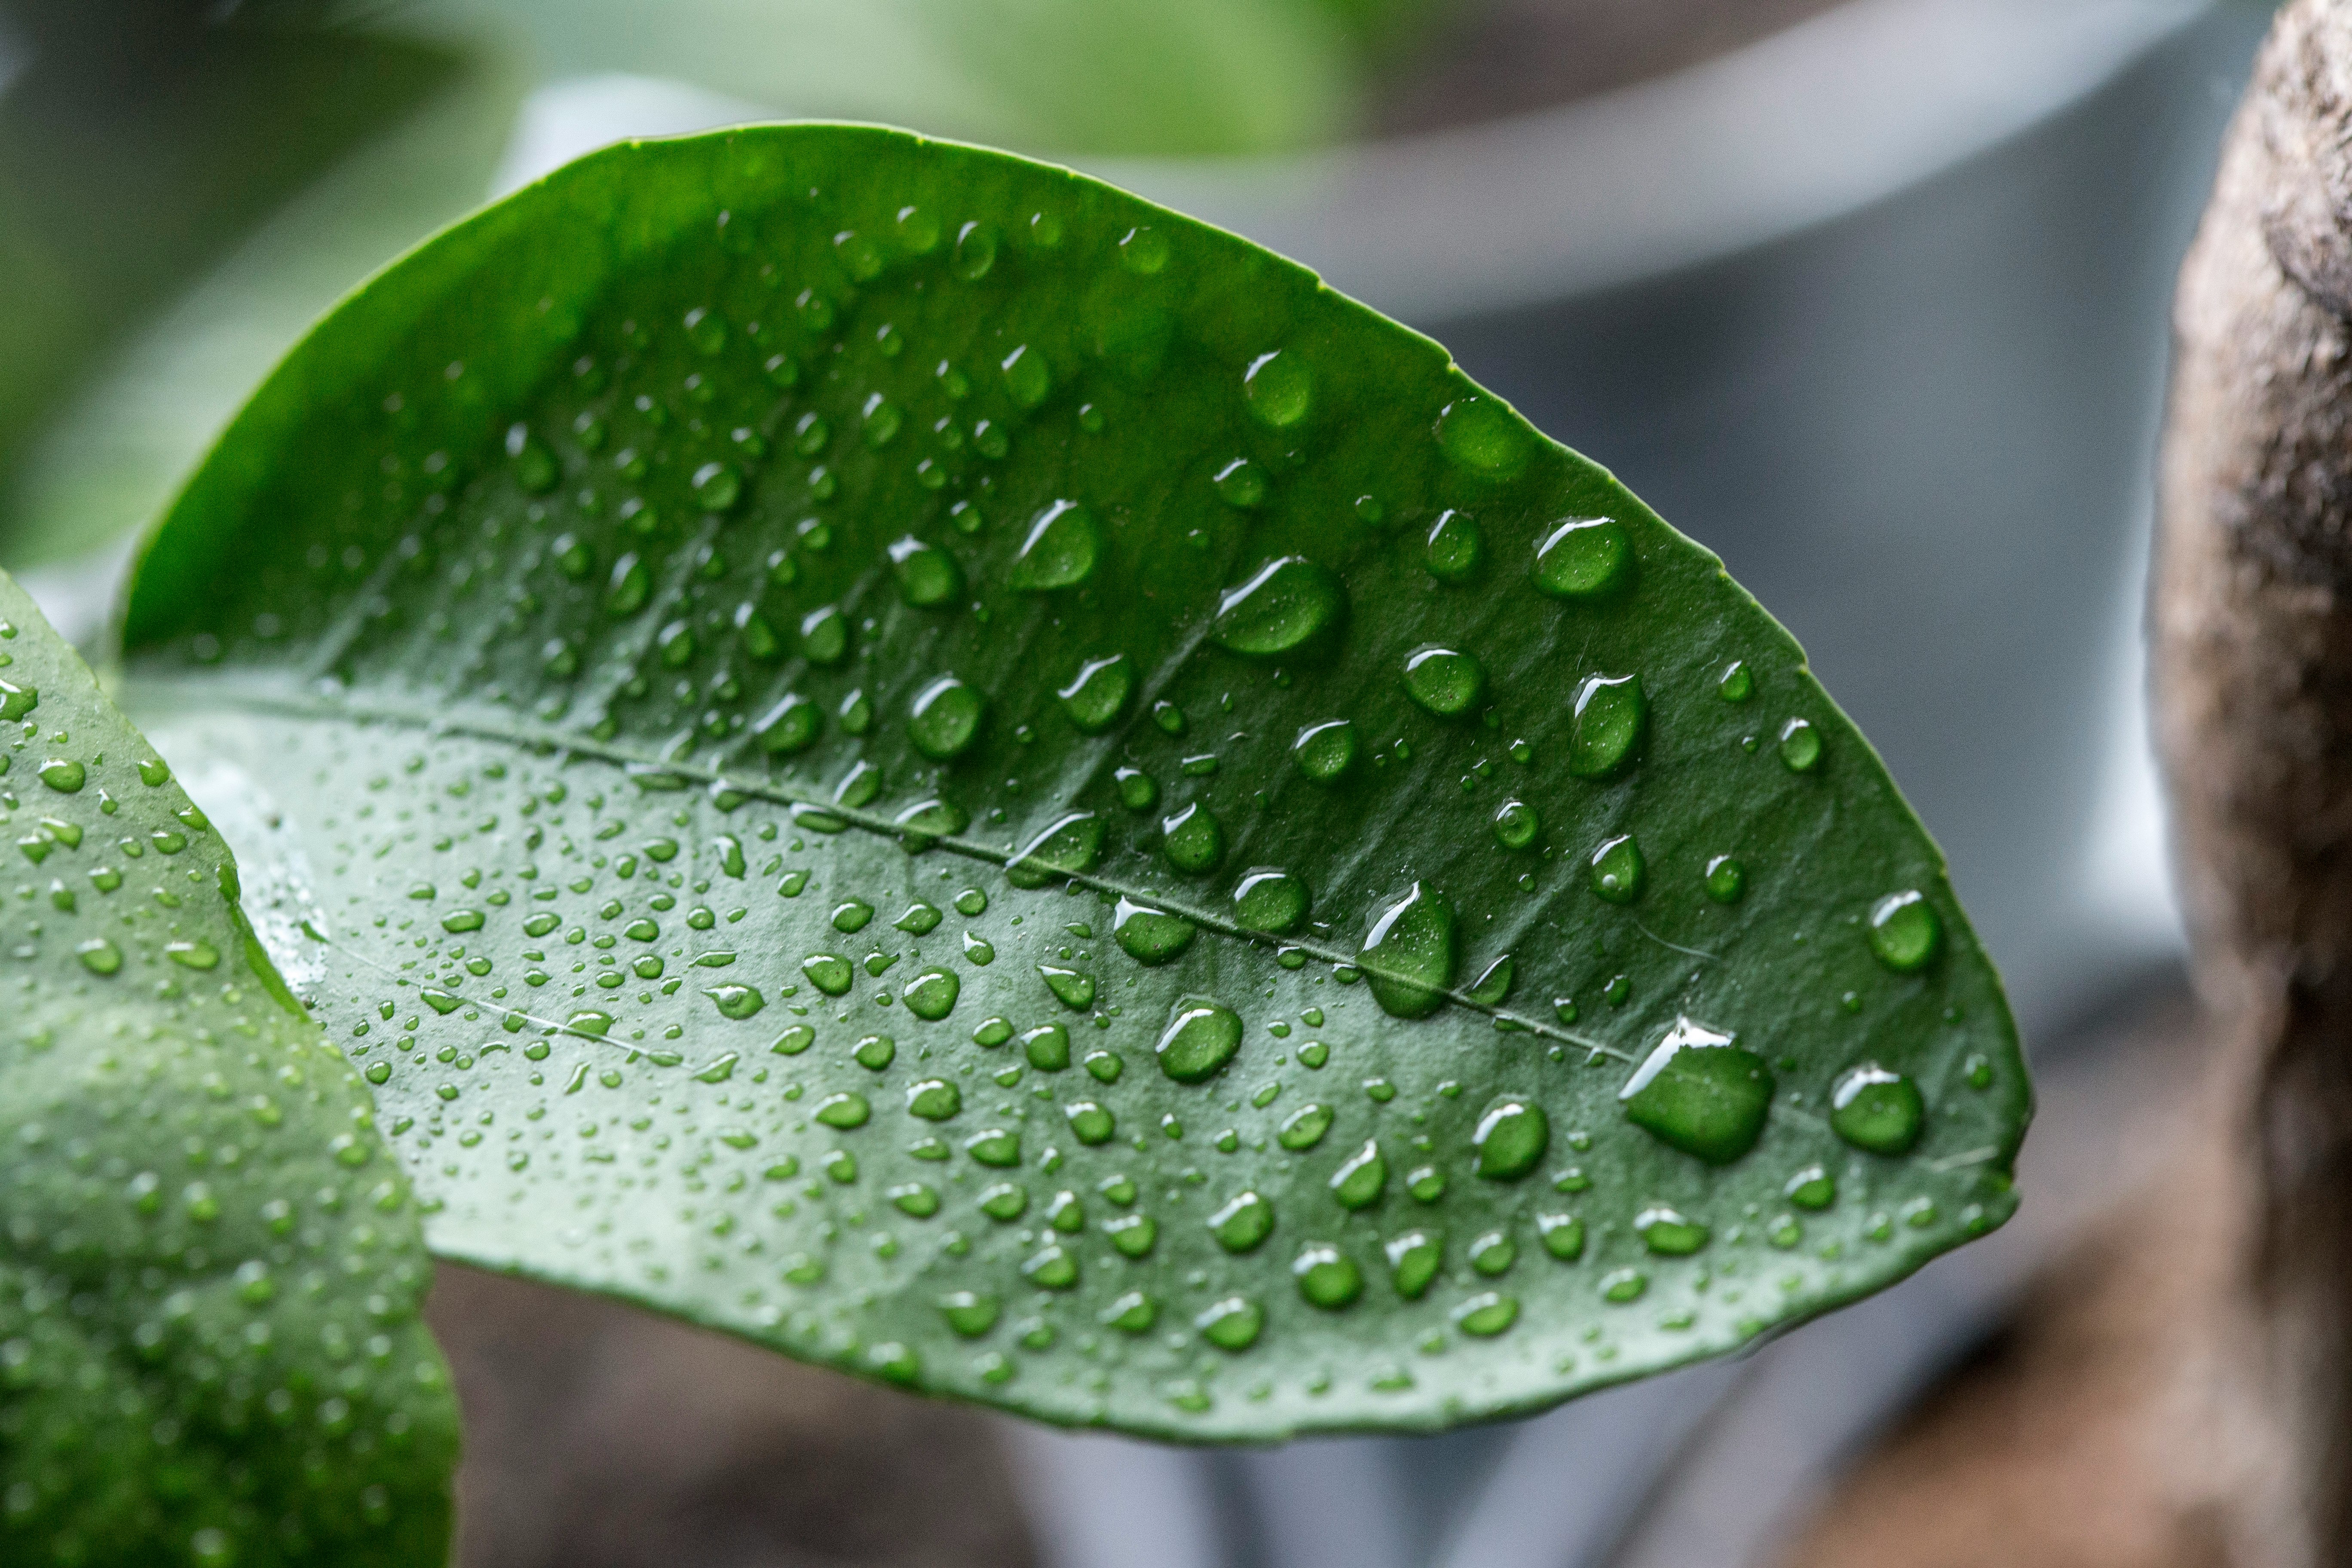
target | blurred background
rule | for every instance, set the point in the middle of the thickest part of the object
(1867, 295)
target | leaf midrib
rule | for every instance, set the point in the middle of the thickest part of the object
(185, 696)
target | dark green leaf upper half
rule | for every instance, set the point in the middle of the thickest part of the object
(210, 1268)
(894, 750)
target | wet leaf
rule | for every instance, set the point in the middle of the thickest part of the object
(210, 1265)
(559, 636)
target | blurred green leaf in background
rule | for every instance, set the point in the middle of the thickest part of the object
(185, 187)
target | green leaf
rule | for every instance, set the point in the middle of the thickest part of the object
(893, 750)
(210, 1268)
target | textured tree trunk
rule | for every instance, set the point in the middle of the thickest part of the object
(2253, 635)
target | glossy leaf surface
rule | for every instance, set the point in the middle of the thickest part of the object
(210, 1266)
(891, 749)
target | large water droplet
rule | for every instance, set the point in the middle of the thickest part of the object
(1278, 389)
(1200, 1038)
(1443, 680)
(1269, 900)
(1285, 603)
(945, 718)
(1584, 558)
(1410, 956)
(1611, 718)
(1877, 1109)
(1905, 932)
(1098, 693)
(1059, 550)
(1070, 846)
(1698, 1092)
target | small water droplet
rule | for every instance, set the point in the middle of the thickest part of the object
(1511, 1139)
(1584, 558)
(1481, 435)
(791, 726)
(1028, 381)
(1905, 932)
(1074, 990)
(1810, 1188)
(945, 718)
(1193, 840)
(829, 972)
(1516, 825)
(933, 1100)
(1138, 791)
(1443, 680)
(1415, 1259)
(1800, 746)
(1284, 604)
(717, 487)
(1245, 1220)
(931, 995)
(1149, 936)
(1232, 1324)
(1455, 548)
(1199, 1039)
(63, 774)
(1486, 1314)
(1059, 550)
(1611, 719)
(844, 1109)
(1616, 869)
(100, 957)
(1325, 752)
(1098, 695)
(1667, 1233)
(975, 252)
(928, 575)
(1267, 898)
(1727, 879)
(1361, 1178)
(1278, 389)
(1328, 1278)
(1492, 987)
(1070, 846)
(1878, 1110)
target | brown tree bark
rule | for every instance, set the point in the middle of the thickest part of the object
(2251, 633)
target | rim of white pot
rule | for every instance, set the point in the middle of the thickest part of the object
(1821, 119)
